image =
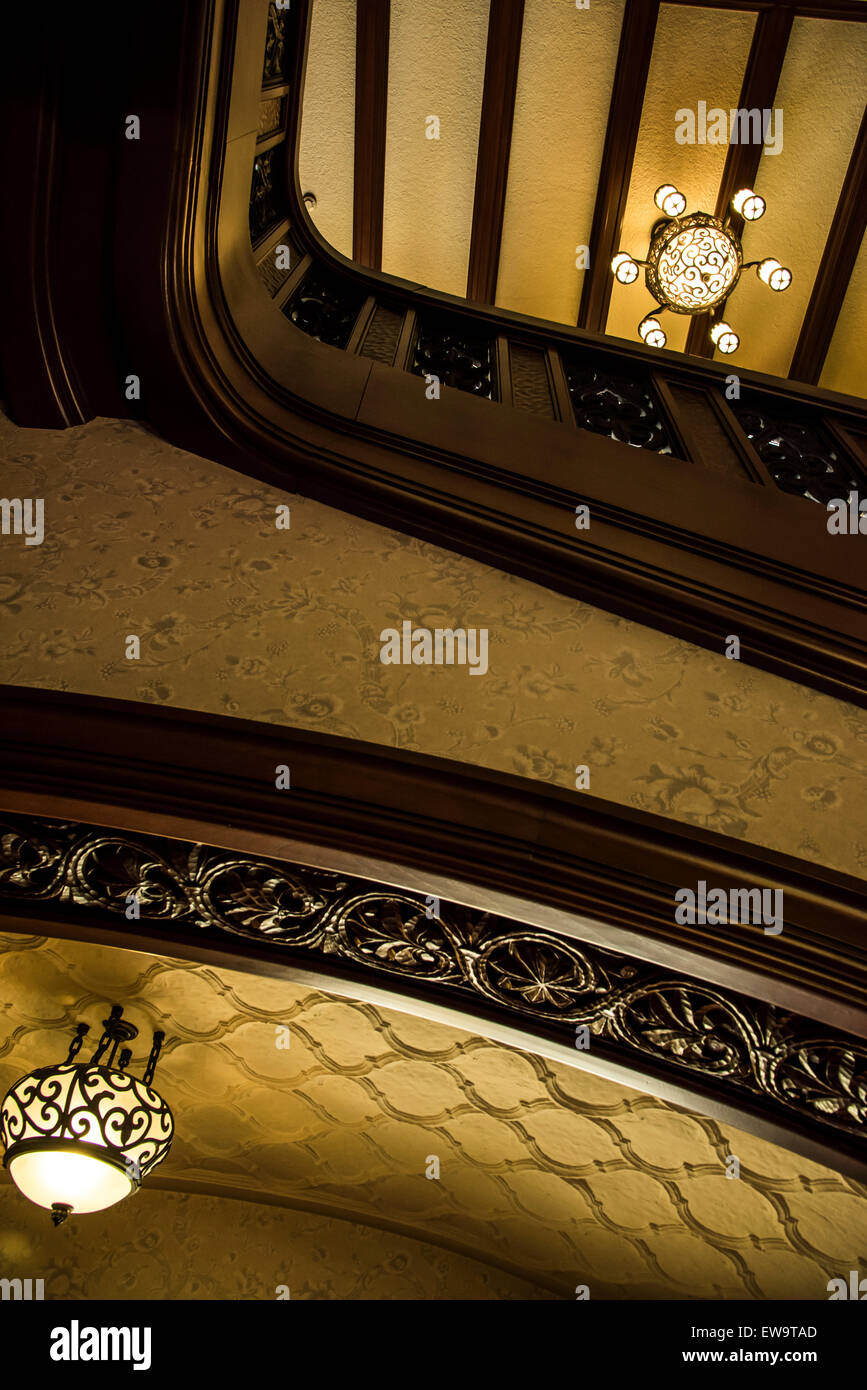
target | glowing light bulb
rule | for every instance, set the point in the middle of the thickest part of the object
(625, 268)
(724, 338)
(749, 204)
(777, 276)
(651, 333)
(669, 200)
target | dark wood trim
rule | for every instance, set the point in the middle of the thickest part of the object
(292, 281)
(836, 267)
(505, 23)
(62, 118)
(406, 340)
(503, 367)
(852, 11)
(621, 136)
(680, 432)
(565, 863)
(371, 106)
(741, 443)
(362, 323)
(560, 388)
(758, 90)
(541, 854)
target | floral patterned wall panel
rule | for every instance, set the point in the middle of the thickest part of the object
(313, 1161)
(238, 617)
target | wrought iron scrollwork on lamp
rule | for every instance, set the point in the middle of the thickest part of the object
(81, 1136)
(694, 262)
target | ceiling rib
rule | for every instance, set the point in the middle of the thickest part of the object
(371, 104)
(621, 136)
(835, 269)
(495, 139)
(759, 88)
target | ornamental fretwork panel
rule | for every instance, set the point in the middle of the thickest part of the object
(647, 1017)
(266, 192)
(801, 455)
(277, 46)
(456, 352)
(325, 307)
(618, 401)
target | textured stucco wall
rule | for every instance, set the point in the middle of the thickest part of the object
(549, 1177)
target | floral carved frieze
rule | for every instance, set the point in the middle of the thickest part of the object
(632, 1011)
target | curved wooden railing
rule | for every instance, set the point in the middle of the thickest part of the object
(701, 478)
(311, 376)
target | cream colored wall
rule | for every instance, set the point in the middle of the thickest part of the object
(436, 67)
(565, 77)
(326, 153)
(236, 617)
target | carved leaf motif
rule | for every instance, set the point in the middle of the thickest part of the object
(831, 1080)
(630, 1005)
(689, 1025)
(395, 932)
(111, 869)
(257, 901)
(31, 861)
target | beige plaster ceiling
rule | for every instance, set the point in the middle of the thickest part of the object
(238, 618)
(437, 66)
(549, 1177)
(181, 1245)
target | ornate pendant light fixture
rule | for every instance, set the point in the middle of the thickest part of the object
(694, 262)
(80, 1136)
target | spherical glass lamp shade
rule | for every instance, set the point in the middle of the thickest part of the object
(652, 333)
(750, 206)
(625, 268)
(669, 200)
(80, 1137)
(777, 277)
(725, 338)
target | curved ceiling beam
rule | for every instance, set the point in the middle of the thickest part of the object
(371, 105)
(621, 137)
(505, 23)
(835, 271)
(530, 907)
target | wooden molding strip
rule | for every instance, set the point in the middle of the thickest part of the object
(758, 90)
(371, 105)
(495, 137)
(836, 267)
(621, 135)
